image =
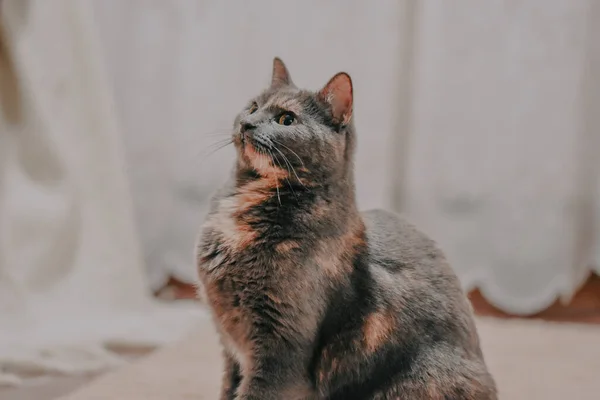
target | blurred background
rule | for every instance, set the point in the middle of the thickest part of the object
(479, 121)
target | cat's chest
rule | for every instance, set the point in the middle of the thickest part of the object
(230, 302)
(232, 312)
(247, 305)
(239, 284)
(237, 281)
(225, 235)
(250, 282)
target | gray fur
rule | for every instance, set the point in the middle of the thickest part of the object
(312, 299)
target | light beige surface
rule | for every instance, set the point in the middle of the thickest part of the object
(530, 360)
(49, 389)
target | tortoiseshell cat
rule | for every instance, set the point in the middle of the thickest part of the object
(312, 299)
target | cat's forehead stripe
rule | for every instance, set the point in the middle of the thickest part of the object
(284, 101)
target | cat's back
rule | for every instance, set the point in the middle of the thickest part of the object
(410, 268)
(396, 244)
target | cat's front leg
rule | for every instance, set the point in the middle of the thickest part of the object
(253, 390)
(231, 378)
(259, 389)
(273, 378)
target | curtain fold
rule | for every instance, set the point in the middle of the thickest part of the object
(503, 143)
(478, 120)
(183, 70)
(72, 283)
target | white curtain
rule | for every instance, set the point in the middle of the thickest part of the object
(503, 166)
(183, 69)
(477, 119)
(73, 292)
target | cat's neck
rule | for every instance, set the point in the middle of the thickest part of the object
(297, 203)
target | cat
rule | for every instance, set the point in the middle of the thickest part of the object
(313, 299)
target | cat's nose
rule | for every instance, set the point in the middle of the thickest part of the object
(246, 126)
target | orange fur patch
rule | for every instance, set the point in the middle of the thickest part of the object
(235, 235)
(332, 366)
(377, 329)
(235, 230)
(257, 192)
(334, 256)
(235, 330)
(261, 162)
(434, 393)
(287, 246)
(260, 190)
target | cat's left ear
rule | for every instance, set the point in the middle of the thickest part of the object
(338, 93)
(281, 75)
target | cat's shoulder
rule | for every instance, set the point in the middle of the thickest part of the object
(391, 237)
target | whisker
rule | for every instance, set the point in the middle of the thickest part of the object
(218, 131)
(216, 144)
(277, 184)
(286, 179)
(213, 148)
(285, 159)
(217, 134)
(190, 141)
(293, 152)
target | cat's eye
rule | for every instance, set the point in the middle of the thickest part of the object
(253, 108)
(286, 119)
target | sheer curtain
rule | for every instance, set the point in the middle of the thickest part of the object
(476, 119)
(504, 137)
(182, 70)
(73, 291)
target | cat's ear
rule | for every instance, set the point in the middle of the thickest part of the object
(338, 94)
(281, 75)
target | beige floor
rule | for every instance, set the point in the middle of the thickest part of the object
(530, 360)
(49, 389)
(54, 387)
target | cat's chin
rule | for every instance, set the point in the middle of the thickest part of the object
(261, 162)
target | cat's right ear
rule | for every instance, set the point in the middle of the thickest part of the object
(281, 76)
(338, 93)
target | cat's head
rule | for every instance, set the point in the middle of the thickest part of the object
(298, 134)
